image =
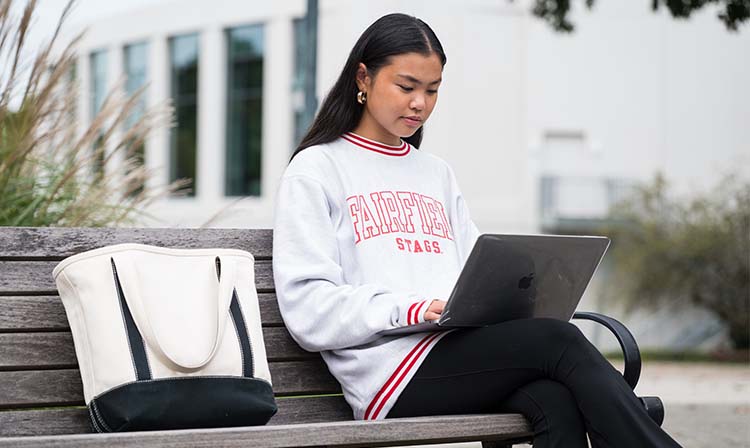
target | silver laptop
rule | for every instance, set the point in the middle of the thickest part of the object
(509, 277)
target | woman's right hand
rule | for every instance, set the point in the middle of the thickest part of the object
(434, 310)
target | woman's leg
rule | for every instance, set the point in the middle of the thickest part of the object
(548, 405)
(552, 411)
(489, 363)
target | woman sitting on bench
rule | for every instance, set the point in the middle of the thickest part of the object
(371, 233)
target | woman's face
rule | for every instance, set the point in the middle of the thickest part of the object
(400, 97)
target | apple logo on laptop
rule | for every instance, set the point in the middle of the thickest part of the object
(525, 281)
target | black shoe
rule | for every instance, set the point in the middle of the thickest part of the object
(654, 408)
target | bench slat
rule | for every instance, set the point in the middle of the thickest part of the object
(38, 388)
(45, 422)
(76, 420)
(402, 431)
(45, 313)
(58, 243)
(35, 350)
(19, 277)
(32, 313)
(29, 351)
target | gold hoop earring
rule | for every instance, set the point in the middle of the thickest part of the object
(362, 97)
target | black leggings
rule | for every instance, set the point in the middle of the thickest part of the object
(546, 370)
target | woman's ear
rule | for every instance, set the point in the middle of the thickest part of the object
(363, 79)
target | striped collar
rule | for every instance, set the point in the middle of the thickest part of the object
(398, 151)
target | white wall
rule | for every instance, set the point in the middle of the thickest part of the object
(650, 93)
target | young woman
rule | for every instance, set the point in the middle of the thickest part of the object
(371, 233)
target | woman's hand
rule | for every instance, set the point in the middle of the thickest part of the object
(434, 310)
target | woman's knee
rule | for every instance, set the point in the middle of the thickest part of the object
(536, 335)
(552, 331)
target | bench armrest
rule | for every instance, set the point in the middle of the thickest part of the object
(627, 342)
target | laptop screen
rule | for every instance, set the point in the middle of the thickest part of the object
(520, 276)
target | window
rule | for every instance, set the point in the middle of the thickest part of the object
(97, 93)
(579, 203)
(183, 55)
(298, 81)
(244, 110)
(136, 72)
(98, 64)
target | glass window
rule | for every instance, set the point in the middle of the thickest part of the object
(298, 82)
(244, 110)
(97, 93)
(136, 73)
(183, 55)
(98, 63)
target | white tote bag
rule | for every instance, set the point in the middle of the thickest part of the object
(167, 338)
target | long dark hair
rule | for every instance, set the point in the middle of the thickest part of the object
(390, 35)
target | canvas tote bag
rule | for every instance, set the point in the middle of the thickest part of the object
(167, 338)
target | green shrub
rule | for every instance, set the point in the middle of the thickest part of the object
(695, 250)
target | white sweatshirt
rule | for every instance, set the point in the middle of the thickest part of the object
(365, 237)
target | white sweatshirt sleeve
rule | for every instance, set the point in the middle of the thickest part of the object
(464, 229)
(322, 311)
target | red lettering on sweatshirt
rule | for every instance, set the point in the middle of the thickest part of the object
(409, 207)
(406, 245)
(434, 217)
(384, 212)
(393, 210)
(426, 227)
(354, 212)
(446, 221)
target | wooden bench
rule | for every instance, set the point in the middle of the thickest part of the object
(41, 398)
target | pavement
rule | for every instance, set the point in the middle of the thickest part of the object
(707, 404)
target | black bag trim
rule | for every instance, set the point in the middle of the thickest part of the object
(246, 350)
(238, 319)
(94, 423)
(135, 340)
(99, 424)
(184, 402)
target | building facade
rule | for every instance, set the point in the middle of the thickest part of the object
(541, 128)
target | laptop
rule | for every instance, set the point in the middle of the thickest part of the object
(509, 277)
